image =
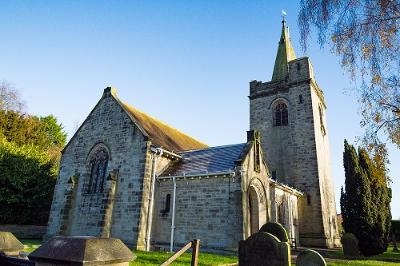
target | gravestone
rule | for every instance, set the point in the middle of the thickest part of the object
(82, 251)
(310, 257)
(350, 245)
(275, 229)
(263, 249)
(9, 244)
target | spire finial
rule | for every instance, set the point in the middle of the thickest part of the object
(283, 16)
(285, 53)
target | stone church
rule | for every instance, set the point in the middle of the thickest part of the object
(127, 175)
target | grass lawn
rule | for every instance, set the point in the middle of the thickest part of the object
(388, 258)
(31, 244)
(156, 258)
(362, 263)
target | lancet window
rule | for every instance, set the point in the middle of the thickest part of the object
(281, 114)
(98, 170)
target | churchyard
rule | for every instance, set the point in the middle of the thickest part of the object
(336, 257)
(333, 257)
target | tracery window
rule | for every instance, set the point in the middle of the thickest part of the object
(98, 170)
(281, 114)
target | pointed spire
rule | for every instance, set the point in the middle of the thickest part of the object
(284, 55)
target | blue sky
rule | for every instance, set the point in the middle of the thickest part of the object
(188, 63)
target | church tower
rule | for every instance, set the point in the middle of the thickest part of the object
(289, 111)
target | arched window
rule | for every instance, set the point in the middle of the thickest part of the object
(281, 114)
(98, 170)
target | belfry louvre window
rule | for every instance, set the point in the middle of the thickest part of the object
(281, 115)
(98, 170)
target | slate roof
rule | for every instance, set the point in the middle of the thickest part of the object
(209, 160)
(161, 134)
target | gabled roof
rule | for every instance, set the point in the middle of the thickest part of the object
(284, 55)
(209, 160)
(160, 134)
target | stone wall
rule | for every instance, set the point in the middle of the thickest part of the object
(25, 231)
(110, 126)
(285, 209)
(256, 203)
(294, 152)
(208, 209)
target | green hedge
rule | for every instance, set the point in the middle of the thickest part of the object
(27, 180)
(396, 228)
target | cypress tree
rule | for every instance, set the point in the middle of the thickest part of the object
(380, 205)
(365, 201)
(350, 199)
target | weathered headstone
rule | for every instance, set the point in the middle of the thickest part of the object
(82, 251)
(264, 249)
(9, 244)
(310, 257)
(350, 245)
(276, 229)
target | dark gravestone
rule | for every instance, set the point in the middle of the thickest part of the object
(310, 257)
(350, 245)
(82, 251)
(263, 249)
(276, 229)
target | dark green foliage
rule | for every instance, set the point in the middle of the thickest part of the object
(365, 202)
(27, 180)
(30, 149)
(350, 245)
(395, 228)
(275, 229)
(43, 132)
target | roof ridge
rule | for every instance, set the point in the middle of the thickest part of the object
(213, 147)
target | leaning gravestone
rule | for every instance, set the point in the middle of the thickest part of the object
(350, 245)
(82, 251)
(9, 244)
(275, 229)
(310, 257)
(263, 249)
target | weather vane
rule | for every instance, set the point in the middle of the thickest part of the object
(283, 14)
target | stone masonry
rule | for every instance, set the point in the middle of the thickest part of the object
(223, 194)
(110, 126)
(298, 153)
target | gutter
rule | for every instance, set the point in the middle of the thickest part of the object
(156, 154)
(207, 175)
(285, 187)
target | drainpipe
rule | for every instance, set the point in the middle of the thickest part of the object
(171, 246)
(157, 153)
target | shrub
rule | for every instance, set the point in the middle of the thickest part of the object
(27, 180)
(396, 229)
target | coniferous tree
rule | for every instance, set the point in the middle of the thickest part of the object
(365, 201)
